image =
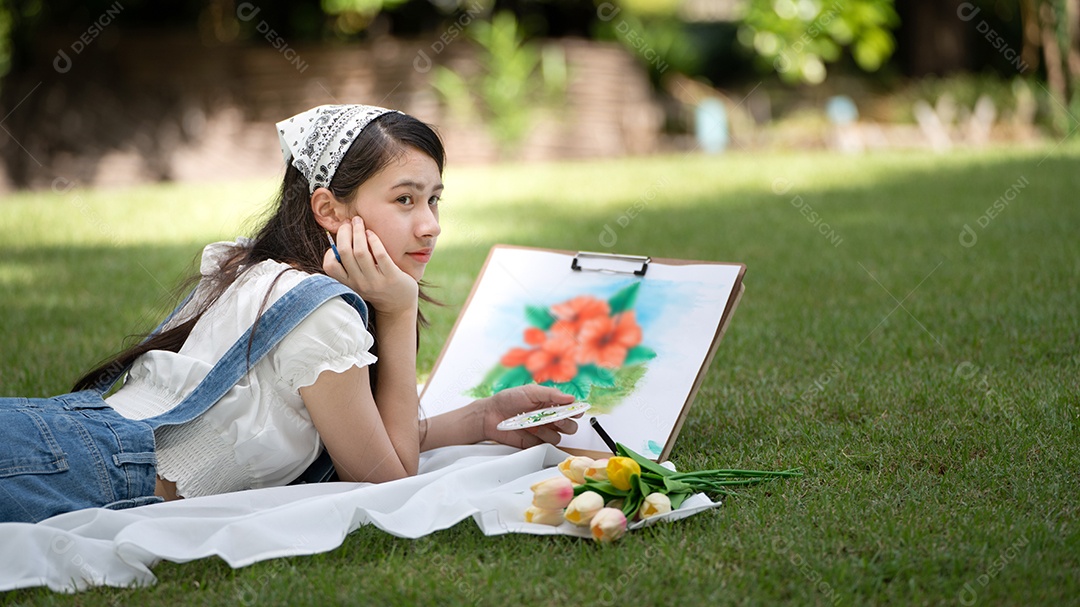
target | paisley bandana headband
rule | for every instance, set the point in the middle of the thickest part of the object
(316, 140)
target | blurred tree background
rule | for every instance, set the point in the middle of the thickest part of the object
(784, 58)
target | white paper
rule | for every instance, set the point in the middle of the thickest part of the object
(678, 308)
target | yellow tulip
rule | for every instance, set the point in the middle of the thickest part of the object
(655, 504)
(544, 516)
(583, 507)
(608, 525)
(553, 494)
(619, 471)
(574, 468)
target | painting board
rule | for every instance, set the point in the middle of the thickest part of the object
(635, 347)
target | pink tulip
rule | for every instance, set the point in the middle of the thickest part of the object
(608, 525)
(543, 516)
(583, 507)
(598, 470)
(655, 504)
(553, 494)
(574, 468)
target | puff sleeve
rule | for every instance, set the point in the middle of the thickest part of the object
(333, 338)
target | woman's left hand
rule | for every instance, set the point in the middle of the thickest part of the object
(368, 269)
(513, 401)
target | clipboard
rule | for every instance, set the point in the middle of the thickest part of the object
(647, 330)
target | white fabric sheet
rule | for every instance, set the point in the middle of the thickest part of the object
(488, 482)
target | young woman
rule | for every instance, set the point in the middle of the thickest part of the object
(372, 179)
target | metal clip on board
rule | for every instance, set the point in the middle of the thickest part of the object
(631, 260)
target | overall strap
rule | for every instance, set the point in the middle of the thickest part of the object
(273, 325)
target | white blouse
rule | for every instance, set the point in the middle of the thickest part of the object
(259, 434)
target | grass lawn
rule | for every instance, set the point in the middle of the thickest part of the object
(926, 377)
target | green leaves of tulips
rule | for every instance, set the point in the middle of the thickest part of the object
(678, 486)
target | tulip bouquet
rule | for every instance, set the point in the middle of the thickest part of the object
(606, 494)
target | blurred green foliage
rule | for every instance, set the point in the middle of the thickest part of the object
(6, 23)
(796, 38)
(513, 78)
(803, 41)
(353, 16)
(655, 36)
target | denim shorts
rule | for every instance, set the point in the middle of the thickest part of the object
(70, 452)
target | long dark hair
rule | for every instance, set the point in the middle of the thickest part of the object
(291, 235)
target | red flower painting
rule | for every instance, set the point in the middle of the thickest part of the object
(606, 340)
(585, 346)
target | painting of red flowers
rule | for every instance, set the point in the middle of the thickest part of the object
(586, 346)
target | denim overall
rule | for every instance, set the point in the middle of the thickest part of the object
(73, 451)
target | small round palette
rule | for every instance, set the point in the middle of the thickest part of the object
(542, 416)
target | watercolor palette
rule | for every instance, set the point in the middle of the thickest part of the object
(542, 416)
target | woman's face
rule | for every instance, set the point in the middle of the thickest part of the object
(400, 204)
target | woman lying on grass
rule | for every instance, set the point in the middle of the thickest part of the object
(370, 177)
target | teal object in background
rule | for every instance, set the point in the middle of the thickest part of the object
(711, 126)
(841, 110)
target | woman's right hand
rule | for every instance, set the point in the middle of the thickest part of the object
(512, 401)
(367, 268)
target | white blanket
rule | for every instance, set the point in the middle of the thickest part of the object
(490, 483)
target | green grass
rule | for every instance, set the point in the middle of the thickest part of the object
(939, 437)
